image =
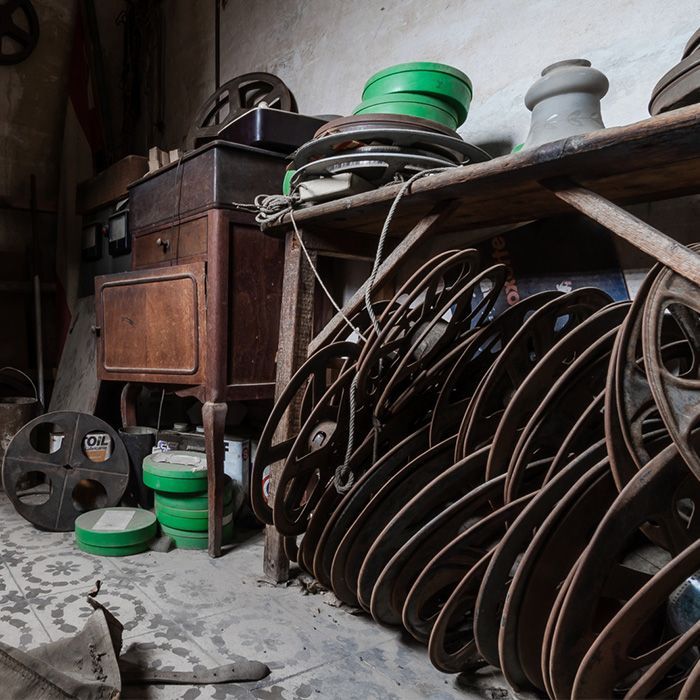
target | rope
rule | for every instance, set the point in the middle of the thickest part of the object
(270, 209)
(344, 477)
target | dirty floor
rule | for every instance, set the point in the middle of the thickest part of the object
(181, 609)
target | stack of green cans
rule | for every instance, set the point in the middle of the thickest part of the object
(433, 91)
(179, 480)
(115, 532)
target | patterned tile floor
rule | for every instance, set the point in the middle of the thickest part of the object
(181, 609)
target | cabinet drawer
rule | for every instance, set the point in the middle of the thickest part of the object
(192, 238)
(155, 248)
(152, 325)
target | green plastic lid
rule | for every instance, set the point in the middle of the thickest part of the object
(176, 464)
(188, 523)
(115, 527)
(421, 66)
(170, 485)
(287, 181)
(192, 501)
(413, 105)
(112, 551)
(195, 540)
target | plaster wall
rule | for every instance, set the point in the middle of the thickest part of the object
(326, 49)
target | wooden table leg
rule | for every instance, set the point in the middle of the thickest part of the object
(214, 420)
(296, 321)
(127, 405)
(214, 409)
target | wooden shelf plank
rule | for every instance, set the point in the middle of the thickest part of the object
(653, 159)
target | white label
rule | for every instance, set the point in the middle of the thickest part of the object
(114, 520)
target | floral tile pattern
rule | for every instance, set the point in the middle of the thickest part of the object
(182, 610)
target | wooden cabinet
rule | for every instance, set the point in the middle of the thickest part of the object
(152, 325)
(200, 310)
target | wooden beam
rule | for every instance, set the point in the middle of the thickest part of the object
(658, 245)
(387, 269)
(296, 322)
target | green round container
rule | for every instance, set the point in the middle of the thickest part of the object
(115, 527)
(436, 80)
(411, 105)
(194, 540)
(184, 520)
(112, 551)
(176, 472)
(287, 182)
(195, 501)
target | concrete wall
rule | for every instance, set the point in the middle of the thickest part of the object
(326, 49)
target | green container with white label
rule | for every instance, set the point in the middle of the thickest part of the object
(115, 532)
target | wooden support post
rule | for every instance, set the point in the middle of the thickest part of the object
(214, 409)
(658, 245)
(296, 323)
(426, 226)
(214, 420)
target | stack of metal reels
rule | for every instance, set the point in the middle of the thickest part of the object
(358, 153)
(681, 85)
(519, 489)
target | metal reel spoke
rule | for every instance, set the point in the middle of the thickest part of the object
(677, 397)
(74, 483)
(653, 496)
(318, 450)
(388, 500)
(416, 303)
(636, 638)
(451, 646)
(465, 313)
(468, 367)
(554, 549)
(300, 389)
(541, 332)
(495, 588)
(17, 41)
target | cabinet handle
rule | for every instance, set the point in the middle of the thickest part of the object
(163, 242)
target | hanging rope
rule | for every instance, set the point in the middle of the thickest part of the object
(271, 209)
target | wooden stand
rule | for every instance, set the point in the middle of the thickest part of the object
(198, 314)
(654, 159)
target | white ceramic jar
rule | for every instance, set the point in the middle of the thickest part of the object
(565, 101)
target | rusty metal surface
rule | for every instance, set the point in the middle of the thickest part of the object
(637, 637)
(539, 334)
(602, 579)
(517, 480)
(307, 386)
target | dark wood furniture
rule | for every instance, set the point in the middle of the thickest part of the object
(654, 159)
(199, 312)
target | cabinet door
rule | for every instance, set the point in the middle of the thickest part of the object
(152, 325)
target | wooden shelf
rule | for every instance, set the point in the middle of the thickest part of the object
(657, 158)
